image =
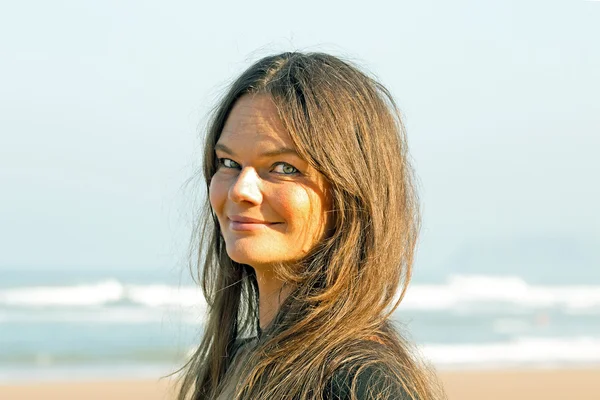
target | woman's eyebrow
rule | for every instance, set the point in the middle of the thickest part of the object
(270, 153)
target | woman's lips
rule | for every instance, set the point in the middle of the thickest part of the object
(246, 225)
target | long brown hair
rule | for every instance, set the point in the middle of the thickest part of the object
(347, 126)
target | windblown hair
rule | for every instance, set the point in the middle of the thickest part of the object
(346, 125)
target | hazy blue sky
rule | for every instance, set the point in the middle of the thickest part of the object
(102, 104)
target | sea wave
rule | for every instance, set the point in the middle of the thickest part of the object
(462, 293)
(480, 291)
(102, 293)
(519, 352)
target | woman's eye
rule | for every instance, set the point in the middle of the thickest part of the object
(228, 163)
(280, 168)
(285, 168)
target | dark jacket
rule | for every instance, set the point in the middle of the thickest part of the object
(372, 382)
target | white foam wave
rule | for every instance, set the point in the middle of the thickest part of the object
(459, 293)
(525, 351)
(522, 351)
(163, 295)
(101, 294)
(482, 291)
(82, 295)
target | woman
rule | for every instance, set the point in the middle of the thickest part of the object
(307, 241)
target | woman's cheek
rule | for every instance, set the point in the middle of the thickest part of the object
(217, 193)
(304, 211)
(292, 205)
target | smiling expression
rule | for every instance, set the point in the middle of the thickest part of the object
(270, 203)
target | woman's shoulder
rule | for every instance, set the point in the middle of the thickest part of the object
(372, 381)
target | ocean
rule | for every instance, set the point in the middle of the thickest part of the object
(98, 324)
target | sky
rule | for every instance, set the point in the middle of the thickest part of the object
(102, 106)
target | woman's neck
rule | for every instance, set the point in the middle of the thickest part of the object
(271, 293)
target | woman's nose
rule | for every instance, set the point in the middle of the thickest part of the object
(246, 188)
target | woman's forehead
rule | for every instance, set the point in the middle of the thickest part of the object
(254, 120)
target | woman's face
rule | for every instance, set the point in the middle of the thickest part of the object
(271, 205)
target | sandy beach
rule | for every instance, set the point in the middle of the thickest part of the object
(580, 384)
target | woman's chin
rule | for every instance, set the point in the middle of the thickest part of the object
(251, 251)
(249, 258)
